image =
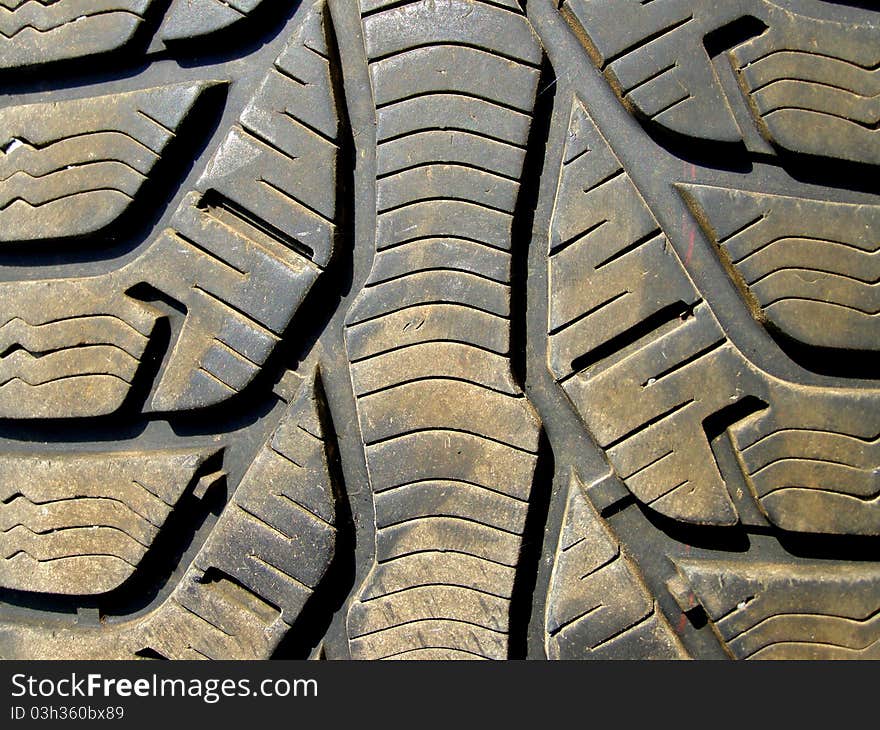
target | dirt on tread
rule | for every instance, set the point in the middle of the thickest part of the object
(460, 329)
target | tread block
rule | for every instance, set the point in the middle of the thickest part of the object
(231, 325)
(34, 32)
(450, 441)
(79, 524)
(810, 266)
(71, 168)
(262, 561)
(265, 217)
(811, 460)
(784, 611)
(784, 73)
(247, 244)
(69, 347)
(598, 606)
(626, 327)
(809, 84)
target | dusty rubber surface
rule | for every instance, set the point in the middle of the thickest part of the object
(439, 329)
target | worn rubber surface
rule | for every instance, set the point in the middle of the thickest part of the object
(439, 329)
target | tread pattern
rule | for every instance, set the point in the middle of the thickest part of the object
(80, 524)
(634, 346)
(261, 220)
(598, 606)
(253, 575)
(450, 441)
(69, 347)
(34, 32)
(602, 232)
(265, 222)
(812, 462)
(662, 60)
(806, 264)
(819, 104)
(290, 291)
(781, 611)
(71, 168)
(38, 31)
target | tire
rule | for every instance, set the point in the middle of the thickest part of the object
(439, 329)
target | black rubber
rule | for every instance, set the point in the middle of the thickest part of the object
(439, 329)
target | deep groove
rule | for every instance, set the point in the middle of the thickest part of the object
(242, 38)
(733, 34)
(212, 201)
(524, 218)
(863, 4)
(720, 421)
(852, 364)
(148, 370)
(525, 581)
(630, 336)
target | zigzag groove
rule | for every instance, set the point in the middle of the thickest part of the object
(89, 156)
(57, 514)
(248, 581)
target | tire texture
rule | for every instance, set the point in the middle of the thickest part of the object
(439, 329)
